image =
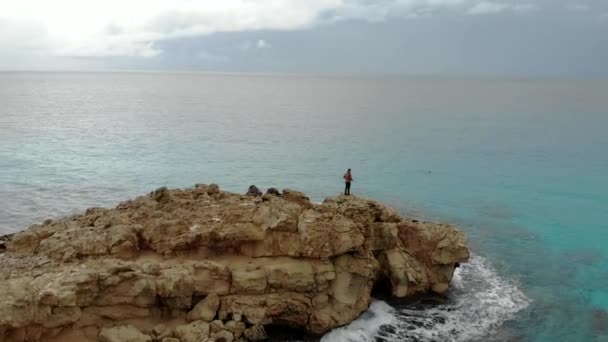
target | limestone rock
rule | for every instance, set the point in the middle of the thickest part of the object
(4, 241)
(273, 191)
(235, 327)
(216, 326)
(296, 197)
(213, 189)
(193, 332)
(123, 334)
(222, 336)
(248, 279)
(170, 339)
(156, 262)
(253, 191)
(206, 309)
(255, 333)
(24, 242)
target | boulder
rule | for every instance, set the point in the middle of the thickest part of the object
(193, 332)
(206, 309)
(273, 191)
(213, 189)
(253, 191)
(296, 197)
(235, 327)
(216, 326)
(222, 336)
(255, 333)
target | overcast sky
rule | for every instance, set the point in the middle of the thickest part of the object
(465, 37)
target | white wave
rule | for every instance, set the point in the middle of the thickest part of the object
(366, 326)
(479, 302)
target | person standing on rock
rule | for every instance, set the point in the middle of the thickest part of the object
(348, 177)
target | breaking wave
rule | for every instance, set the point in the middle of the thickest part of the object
(479, 302)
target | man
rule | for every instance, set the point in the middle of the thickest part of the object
(348, 177)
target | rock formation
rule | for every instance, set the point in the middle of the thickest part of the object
(205, 265)
(254, 191)
(273, 191)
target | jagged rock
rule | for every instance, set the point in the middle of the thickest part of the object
(254, 191)
(206, 309)
(255, 333)
(296, 197)
(62, 315)
(273, 191)
(193, 332)
(235, 327)
(24, 242)
(253, 261)
(4, 240)
(170, 339)
(222, 336)
(216, 326)
(213, 189)
(159, 329)
(123, 334)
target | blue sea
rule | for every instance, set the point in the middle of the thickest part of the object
(521, 165)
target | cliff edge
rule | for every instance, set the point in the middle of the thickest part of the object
(206, 265)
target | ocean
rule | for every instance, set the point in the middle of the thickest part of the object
(521, 165)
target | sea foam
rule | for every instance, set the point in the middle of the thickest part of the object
(479, 302)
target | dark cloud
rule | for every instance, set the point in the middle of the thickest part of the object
(503, 44)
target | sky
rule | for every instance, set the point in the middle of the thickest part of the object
(418, 37)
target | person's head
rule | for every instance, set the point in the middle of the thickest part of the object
(348, 170)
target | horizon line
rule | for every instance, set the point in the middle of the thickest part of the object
(484, 76)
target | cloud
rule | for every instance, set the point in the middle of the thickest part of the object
(486, 7)
(524, 8)
(104, 28)
(210, 57)
(244, 46)
(380, 10)
(22, 34)
(578, 7)
(132, 28)
(262, 44)
(108, 46)
(249, 45)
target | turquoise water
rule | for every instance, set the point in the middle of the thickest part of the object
(521, 165)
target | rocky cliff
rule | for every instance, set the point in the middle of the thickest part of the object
(201, 264)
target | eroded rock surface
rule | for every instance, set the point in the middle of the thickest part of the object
(203, 265)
